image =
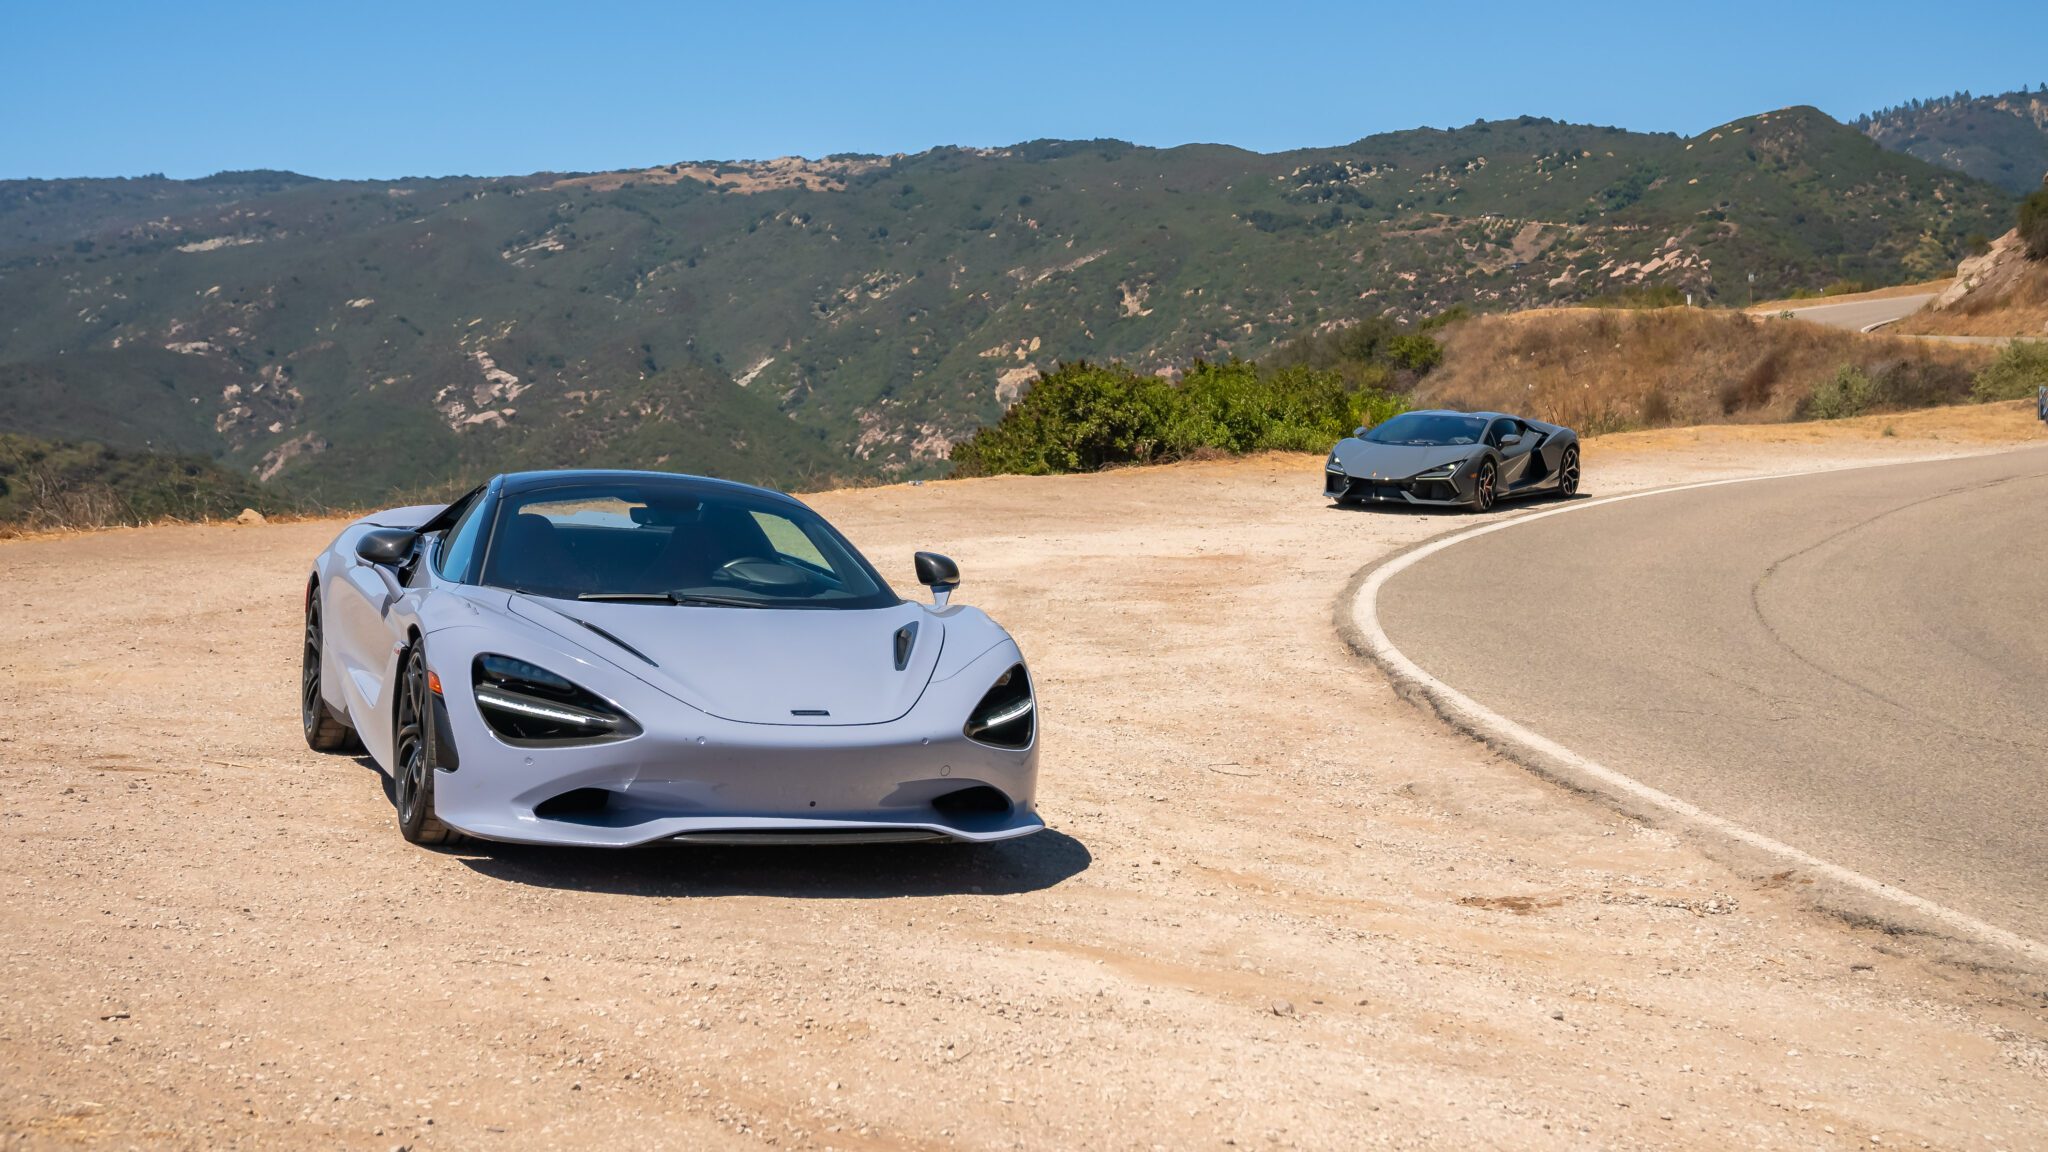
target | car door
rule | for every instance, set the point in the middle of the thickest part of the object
(1514, 442)
(359, 630)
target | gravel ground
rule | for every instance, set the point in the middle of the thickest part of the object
(1277, 907)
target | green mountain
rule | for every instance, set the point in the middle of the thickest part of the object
(2002, 139)
(802, 321)
(47, 484)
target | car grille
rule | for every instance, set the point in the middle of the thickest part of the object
(1350, 487)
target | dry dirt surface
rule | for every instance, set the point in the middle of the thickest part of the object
(1278, 906)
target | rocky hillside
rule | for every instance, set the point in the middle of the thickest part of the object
(1998, 293)
(797, 321)
(2002, 139)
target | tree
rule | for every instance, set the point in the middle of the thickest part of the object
(2033, 224)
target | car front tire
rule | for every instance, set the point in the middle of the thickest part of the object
(1485, 487)
(1568, 472)
(325, 732)
(412, 754)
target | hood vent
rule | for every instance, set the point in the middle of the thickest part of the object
(906, 639)
(613, 639)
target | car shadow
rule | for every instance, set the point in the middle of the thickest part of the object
(807, 872)
(1538, 500)
(1397, 509)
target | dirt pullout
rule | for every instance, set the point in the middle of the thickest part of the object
(1278, 906)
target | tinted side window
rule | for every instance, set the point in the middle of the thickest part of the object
(459, 546)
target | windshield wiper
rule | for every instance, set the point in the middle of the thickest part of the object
(715, 601)
(672, 598)
(648, 597)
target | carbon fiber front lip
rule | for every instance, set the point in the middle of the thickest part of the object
(772, 838)
(1391, 491)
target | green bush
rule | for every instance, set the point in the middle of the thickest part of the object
(2018, 371)
(1374, 352)
(57, 484)
(1415, 352)
(1083, 417)
(2033, 224)
(1847, 393)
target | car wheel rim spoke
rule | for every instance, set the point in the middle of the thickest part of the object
(411, 741)
(309, 677)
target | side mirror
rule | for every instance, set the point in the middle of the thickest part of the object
(387, 547)
(1361, 430)
(1511, 439)
(939, 574)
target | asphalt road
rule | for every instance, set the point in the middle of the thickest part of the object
(1854, 663)
(1862, 314)
(1866, 315)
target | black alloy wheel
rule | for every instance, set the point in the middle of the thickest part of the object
(325, 732)
(413, 753)
(1483, 487)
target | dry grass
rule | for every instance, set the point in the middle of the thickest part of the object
(2016, 308)
(106, 517)
(2002, 422)
(1603, 370)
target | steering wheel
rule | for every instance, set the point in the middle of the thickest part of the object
(758, 572)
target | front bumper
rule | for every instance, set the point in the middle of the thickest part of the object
(690, 776)
(1432, 493)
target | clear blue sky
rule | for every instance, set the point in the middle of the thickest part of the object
(364, 88)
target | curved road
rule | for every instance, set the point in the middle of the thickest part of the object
(1874, 314)
(1854, 663)
(1862, 315)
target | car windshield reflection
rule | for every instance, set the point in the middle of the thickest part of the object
(1428, 429)
(677, 544)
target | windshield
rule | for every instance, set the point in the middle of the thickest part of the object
(676, 542)
(1429, 429)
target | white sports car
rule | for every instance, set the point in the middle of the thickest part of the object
(616, 658)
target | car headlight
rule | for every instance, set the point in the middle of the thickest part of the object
(1440, 472)
(1333, 464)
(527, 704)
(1007, 715)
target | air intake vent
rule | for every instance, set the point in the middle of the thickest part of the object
(980, 800)
(577, 802)
(906, 639)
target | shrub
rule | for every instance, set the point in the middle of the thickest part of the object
(1761, 380)
(1903, 383)
(2020, 369)
(1371, 353)
(1415, 352)
(1644, 296)
(1083, 417)
(1656, 407)
(1847, 393)
(2033, 224)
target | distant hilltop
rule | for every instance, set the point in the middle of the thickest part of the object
(2002, 139)
(801, 321)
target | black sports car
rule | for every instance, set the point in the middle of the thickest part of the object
(1452, 458)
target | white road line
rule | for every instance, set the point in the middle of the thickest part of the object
(1598, 777)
